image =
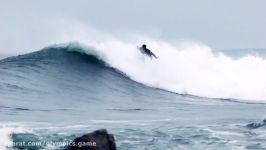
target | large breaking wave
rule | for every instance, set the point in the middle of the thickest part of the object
(192, 69)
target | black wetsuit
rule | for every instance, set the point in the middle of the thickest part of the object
(147, 52)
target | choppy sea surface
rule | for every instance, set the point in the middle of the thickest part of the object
(188, 99)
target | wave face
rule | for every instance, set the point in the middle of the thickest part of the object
(192, 69)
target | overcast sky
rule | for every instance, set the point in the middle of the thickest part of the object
(226, 24)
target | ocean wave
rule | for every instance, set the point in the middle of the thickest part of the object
(193, 69)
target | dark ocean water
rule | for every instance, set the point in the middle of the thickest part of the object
(57, 94)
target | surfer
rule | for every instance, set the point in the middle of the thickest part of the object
(146, 51)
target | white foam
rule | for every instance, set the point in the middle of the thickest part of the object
(191, 68)
(5, 134)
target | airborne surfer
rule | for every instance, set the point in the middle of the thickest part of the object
(146, 51)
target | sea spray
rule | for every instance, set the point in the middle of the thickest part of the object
(191, 69)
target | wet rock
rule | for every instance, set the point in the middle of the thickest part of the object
(97, 140)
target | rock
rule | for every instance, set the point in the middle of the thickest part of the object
(97, 140)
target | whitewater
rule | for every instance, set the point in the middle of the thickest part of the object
(186, 68)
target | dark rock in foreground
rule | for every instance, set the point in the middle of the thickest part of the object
(97, 140)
